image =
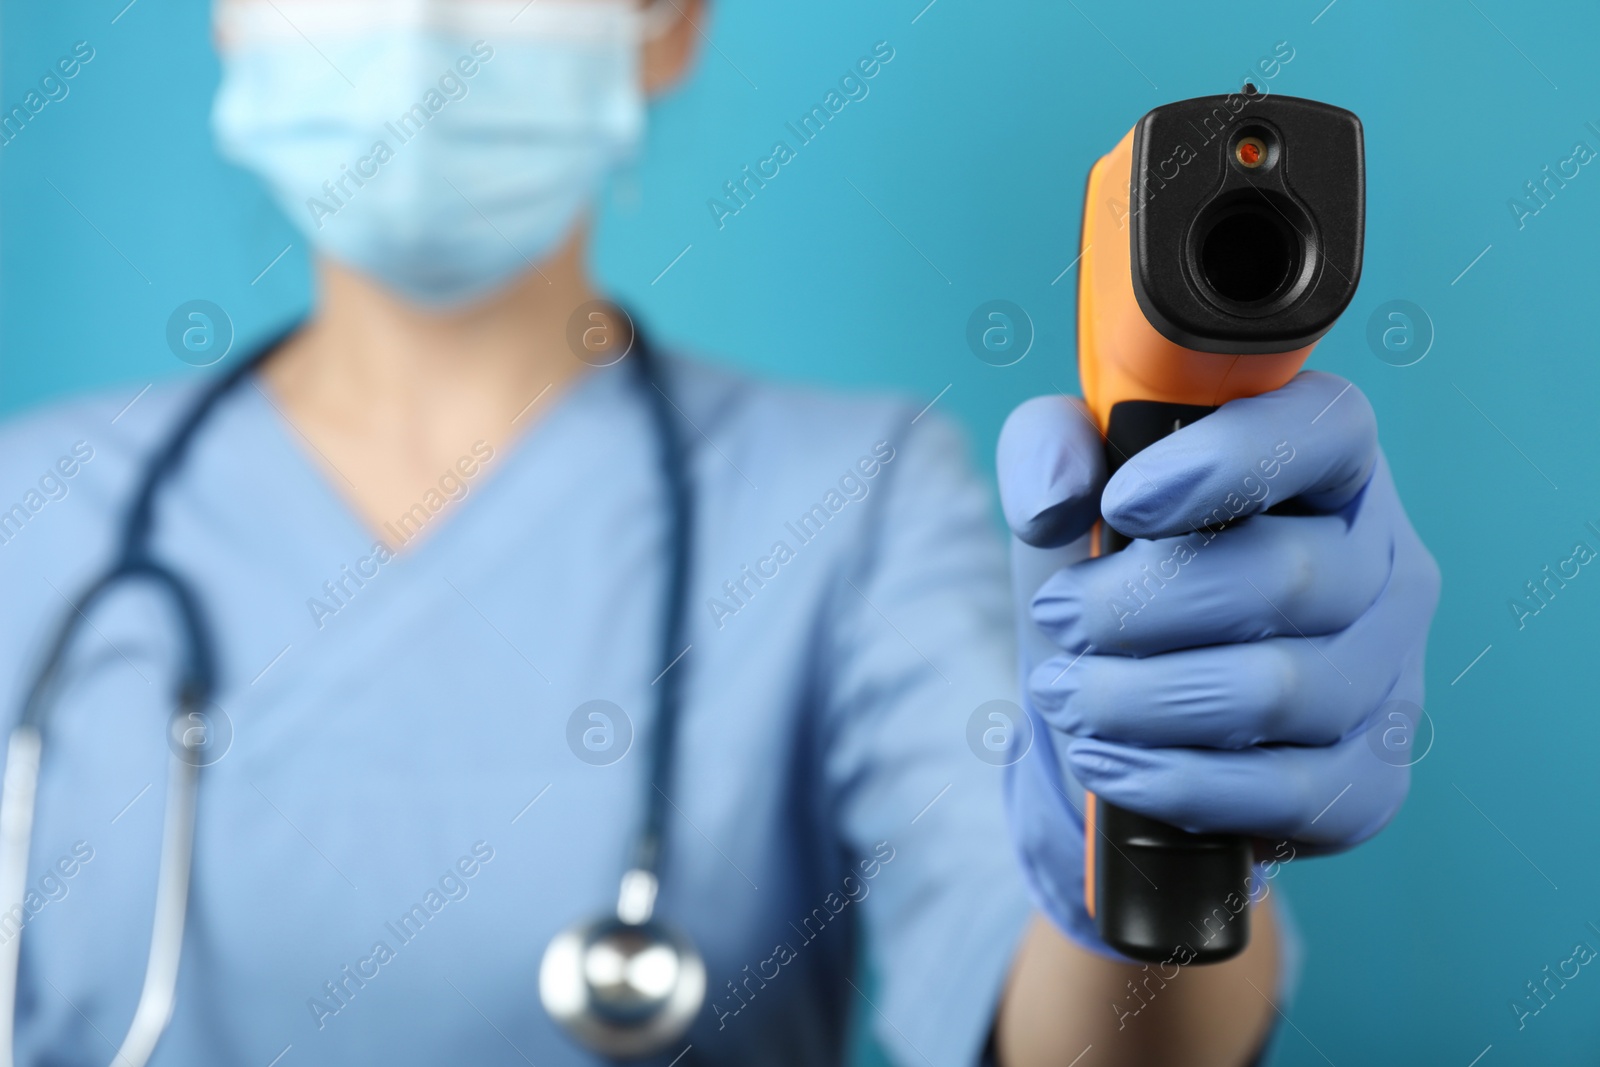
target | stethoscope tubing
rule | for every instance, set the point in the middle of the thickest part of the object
(18, 798)
(135, 562)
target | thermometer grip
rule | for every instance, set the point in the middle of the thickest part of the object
(1222, 237)
(1157, 892)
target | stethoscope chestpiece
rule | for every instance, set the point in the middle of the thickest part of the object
(626, 986)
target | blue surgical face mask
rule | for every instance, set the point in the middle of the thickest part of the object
(441, 148)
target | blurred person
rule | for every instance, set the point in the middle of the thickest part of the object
(435, 545)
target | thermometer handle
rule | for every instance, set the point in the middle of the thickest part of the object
(1222, 237)
(1157, 891)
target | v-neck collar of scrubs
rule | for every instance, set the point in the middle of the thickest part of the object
(595, 391)
(528, 482)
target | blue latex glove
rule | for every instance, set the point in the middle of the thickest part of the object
(1219, 681)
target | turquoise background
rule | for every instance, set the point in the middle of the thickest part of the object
(958, 180)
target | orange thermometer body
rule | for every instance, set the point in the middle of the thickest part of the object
(1222, 237)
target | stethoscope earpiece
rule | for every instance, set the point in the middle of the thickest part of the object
(626, 986)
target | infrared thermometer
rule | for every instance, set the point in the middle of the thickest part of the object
(1222, 238)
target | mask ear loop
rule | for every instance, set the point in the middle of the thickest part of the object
(654, 21)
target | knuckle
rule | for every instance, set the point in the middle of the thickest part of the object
(1296, 575)
(1284, 692)
(1059, 608)
(1047, 696)
(1083, 707)
(1308, 801)
(1065, 693)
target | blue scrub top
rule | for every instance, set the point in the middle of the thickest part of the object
(415, 798)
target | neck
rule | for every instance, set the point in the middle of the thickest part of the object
(389, 395)
(371, 356)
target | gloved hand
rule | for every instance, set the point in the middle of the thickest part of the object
(1218, 681)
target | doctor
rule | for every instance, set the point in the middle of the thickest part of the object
(431, 537)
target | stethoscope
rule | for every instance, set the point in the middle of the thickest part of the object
(625, 984)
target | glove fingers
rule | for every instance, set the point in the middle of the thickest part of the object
(1315, 439)
(1051, 465)
(1288, 690)
(1339, 794)
(1228, 697)
(1281, 690)
(1272, 576)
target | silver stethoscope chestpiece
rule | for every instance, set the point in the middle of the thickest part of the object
(625, 986)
